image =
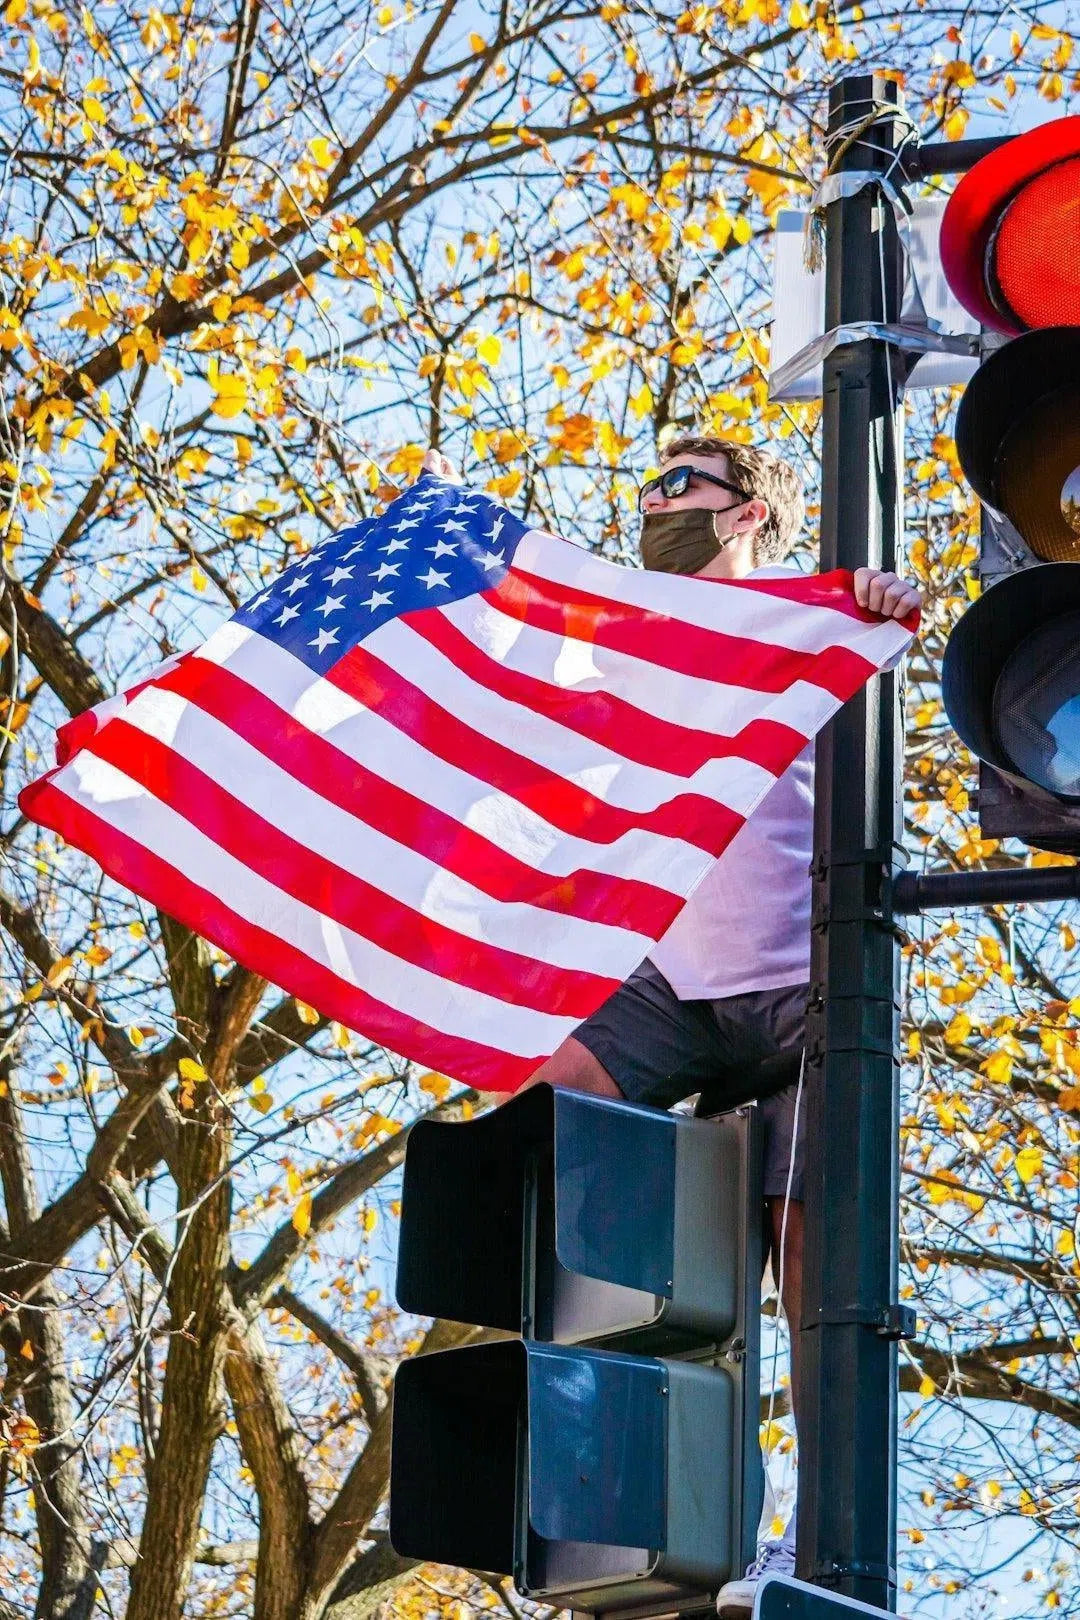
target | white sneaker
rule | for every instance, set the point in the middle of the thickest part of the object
(736, 1599)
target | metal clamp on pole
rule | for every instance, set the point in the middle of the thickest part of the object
(888, 1321)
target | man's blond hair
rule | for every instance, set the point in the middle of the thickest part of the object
(764, 477)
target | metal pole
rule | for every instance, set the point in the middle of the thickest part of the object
(847, 1410)
(1025, 885)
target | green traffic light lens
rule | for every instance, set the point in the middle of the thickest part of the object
(1036, 707)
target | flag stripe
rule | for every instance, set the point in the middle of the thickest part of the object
(364, 908)
(818, 596)
(306, 825)
(265, 952)
(690, 816)
(342, 780)
(390, 752)
(711, 705)
(605, 718)
(359, 961)
(710, 654)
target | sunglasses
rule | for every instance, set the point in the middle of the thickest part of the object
(677, 480)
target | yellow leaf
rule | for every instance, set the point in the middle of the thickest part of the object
(15, 12)
(927, 1387)
(956, 123)
(301, 1215)
(294, 1181)
(489, 349)
(478, 42)
(958, 1029)
(436, 1085)
(322, 151)
(641, 403)
(61, 970)
(262, 1103)
(1029, 1162)
(371, 1219)
(96, 955)
(231, 396)
(191, 1070)
(26, 1350)
(384, 16)
(1069, 1098)
(93, 109)
(307, 1014)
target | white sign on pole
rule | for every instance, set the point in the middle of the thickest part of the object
(799, 309)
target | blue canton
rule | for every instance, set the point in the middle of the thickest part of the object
(436, 543)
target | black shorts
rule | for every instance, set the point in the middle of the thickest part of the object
(660, 1050)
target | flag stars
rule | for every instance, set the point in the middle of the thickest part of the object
(433, 578)
(407, 523)
(395, 545)
(297, 584)
(324, 639)
(337, 576)
(333, 604)
(452, 526)
(378, 599)
(286, 614)
(441, 549)
(385, 570)
(492, 559)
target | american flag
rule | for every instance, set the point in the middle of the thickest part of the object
(450, 777)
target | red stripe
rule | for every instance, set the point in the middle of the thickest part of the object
(690, 816)
(711, 655)
(147, 874)
(314, 881)
(834, 590)
(609, 720)
(620, 902)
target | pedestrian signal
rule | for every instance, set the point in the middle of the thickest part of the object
(603, 1449)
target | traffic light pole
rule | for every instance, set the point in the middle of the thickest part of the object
(847, 1416)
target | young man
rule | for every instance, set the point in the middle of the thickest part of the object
(720, 1002)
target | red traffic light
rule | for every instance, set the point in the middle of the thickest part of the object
(1010, 237)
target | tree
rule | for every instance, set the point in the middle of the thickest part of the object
(253, 263)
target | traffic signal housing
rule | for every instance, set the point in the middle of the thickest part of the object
(603, 1449)
(1010, 244)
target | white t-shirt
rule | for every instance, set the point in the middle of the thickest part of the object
(747, 924)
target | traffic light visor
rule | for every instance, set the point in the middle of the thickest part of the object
(1010, 237)
(1011, 679)
(1018, 438)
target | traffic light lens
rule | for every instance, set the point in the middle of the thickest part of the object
(1036, 252)
(1036, 473)
(1036, 709)
(1070, 500)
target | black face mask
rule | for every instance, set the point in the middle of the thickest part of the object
(680, 542)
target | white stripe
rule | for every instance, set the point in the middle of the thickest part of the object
(737, 610)
(738, 784)
(392, 868)
(414, 992)
(684, 700)
(343, 721)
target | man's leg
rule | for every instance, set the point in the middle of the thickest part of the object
(790, 1234)
(572, 1065)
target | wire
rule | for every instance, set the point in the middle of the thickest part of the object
(793, 1328)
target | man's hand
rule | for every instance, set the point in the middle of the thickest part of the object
(884, 593)
(435, 462)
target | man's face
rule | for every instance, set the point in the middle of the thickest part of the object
(700, 492)
(735, 523)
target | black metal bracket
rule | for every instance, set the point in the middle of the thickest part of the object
(888, 1321)
(829, 1574)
